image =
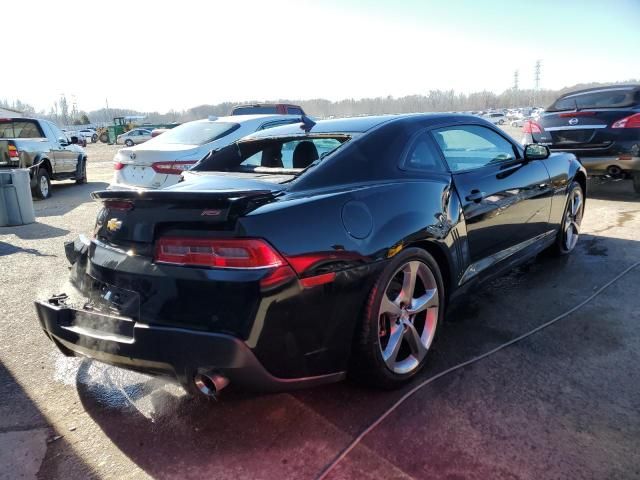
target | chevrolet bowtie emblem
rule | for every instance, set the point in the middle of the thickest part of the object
(113, 225)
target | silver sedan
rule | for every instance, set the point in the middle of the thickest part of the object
(134, 137)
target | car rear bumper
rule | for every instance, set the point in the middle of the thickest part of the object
(610, 164)
(164, 351)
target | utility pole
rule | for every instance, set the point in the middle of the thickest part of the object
(516, 78)
(536, 81)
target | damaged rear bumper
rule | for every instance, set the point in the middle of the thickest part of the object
(170, 352)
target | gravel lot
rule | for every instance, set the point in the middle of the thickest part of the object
(563, 403)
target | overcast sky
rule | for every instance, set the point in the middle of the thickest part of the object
(161, 55)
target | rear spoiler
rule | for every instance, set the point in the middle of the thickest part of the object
(179, 196)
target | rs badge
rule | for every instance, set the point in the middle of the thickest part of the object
(113, 225)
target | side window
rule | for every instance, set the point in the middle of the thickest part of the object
(422, 154)
(294, 111)
(57, 133)
(466, 147)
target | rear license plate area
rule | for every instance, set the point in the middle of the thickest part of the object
(572, 136)
(108, 299)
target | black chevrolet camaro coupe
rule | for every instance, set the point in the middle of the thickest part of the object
(307, 251)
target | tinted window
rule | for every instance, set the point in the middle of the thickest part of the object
(597, 99)
(20, 129)
(277, 123)
(421, 154)
(195, 133)
(471, 146)
(294, 111)
(254, 110)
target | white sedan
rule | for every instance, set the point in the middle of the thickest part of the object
(159, 162)
(134, 137)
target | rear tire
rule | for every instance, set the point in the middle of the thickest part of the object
(42, 189)
(636, 182)
(569, 232)
(94, 138)
(391, 344)
(104, 138)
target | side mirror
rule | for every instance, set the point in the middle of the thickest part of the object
(535, 151)
(63, 142)
(74, 140)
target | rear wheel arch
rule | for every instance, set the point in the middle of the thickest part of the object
(581, 178)
(440, 256)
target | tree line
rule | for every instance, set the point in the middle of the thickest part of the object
(433, 101)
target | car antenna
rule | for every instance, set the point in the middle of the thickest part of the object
(307, 123)
(576, 104)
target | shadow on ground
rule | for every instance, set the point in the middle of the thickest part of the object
(27, 442)
(66, 196)
(295, 435)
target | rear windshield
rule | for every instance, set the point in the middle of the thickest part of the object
(272, 155)
(195, 133)
(20, 129)
(616, 98)
(254, 110)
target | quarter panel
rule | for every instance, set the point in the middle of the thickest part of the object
(315, 327)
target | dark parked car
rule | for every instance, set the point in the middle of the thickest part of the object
(267, 109)
(599, 125)
(302, 252)
(44, 149)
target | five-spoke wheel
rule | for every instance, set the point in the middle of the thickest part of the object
(400, 322)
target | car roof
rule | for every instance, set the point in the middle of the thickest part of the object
(604, 88)
(248, 118)
(358, 124)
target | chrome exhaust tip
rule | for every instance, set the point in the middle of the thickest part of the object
(210, 383)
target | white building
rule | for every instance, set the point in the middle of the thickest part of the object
(8, 112)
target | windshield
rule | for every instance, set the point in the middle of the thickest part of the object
(616, 98)
(196, 133)
(20, 129)
(272, 155)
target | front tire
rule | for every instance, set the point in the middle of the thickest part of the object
(94, 138)
(569, 232)
(42, 189)
(400, 321)
(128, 143)
(636, 182)
(83, 175)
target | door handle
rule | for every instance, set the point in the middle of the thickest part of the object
(475, 196)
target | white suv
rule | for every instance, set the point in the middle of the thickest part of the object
(159, 162)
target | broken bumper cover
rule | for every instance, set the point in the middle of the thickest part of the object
(170, 352)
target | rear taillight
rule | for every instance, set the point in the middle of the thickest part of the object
(221, 253)
(240, 253)
(13, 151)
(172, 168)
(531, 127)
(120, 205)
(632, 121)
(118, 165)
(576, 114)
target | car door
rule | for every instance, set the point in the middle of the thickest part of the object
(506, 200)
(64, 154)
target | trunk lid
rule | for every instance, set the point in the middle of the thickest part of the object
(133, 220)
(580, 129)
(138, 161)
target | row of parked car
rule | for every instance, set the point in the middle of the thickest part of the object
(600, 126)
